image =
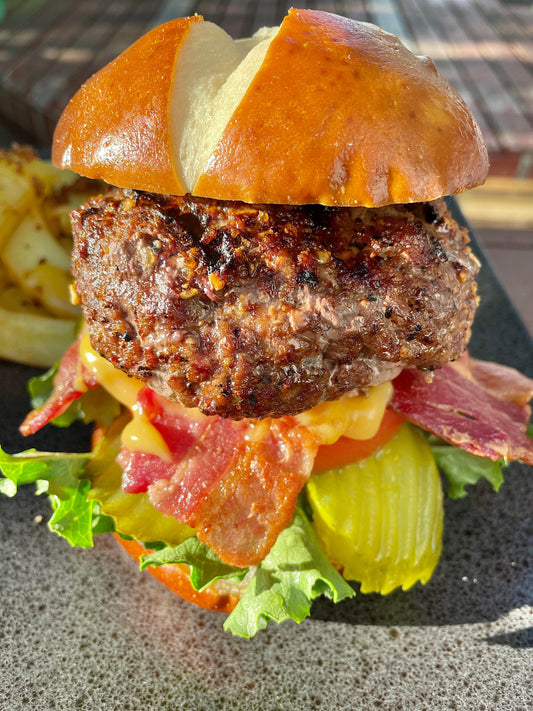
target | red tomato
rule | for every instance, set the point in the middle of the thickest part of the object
(346, 450)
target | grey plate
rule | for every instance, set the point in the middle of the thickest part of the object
(84, 630)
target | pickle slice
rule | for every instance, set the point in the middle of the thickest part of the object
(380, 519)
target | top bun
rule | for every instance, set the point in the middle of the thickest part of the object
(320, 110)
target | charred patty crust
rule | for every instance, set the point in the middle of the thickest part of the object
(267, 310)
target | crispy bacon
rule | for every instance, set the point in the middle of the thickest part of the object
(498, 380)
(477, 406)
(180, 432)
(236, 482)
(71, 381)
(245, 513)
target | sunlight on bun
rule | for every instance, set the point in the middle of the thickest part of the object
(322, 110)
(211, 76)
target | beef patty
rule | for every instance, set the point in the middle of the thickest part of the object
(267, 310)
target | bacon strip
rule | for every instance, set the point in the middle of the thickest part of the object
(477, 406)
(498, 380)
(180, 432)
(71, 381)
(235, 482)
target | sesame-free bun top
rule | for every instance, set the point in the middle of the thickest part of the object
(321, 110)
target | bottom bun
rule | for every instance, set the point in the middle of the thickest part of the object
(221, 597)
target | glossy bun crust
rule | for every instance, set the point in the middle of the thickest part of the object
(341, 113)
(338, 113)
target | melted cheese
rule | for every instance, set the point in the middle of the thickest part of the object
(118, 384)
(354, 416)
(139, 435)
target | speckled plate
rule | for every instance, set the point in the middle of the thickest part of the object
(84, 630)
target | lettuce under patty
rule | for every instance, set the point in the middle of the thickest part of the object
(282, 587)
(462, 468)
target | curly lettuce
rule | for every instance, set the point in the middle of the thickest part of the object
(282, 587)
(60, 476)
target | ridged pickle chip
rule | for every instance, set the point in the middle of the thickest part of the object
(380, 519)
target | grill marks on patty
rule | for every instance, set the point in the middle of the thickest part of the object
(266, 310)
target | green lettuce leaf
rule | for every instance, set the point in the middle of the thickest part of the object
(72, 517)
(293, 574)
(56, 469)
(463, 468)
(93, 406)
(40, 387)
(75, 518)
(206, 566)
(101, 523)
(18, 471)
(282, 587)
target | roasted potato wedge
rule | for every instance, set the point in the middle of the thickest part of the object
(37, 319)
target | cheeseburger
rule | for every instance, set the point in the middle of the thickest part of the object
(273, 290)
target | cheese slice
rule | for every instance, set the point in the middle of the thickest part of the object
(118, 384)
(355, 416)
(139, 435)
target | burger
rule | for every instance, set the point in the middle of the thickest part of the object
(276, 308)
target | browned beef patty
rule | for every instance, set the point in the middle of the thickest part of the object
(267, 310)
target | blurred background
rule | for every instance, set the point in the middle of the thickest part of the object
(483, 47)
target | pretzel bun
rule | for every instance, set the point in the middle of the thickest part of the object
(322, 110)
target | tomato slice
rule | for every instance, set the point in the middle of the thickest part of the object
(347, 450)
(380, 519)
